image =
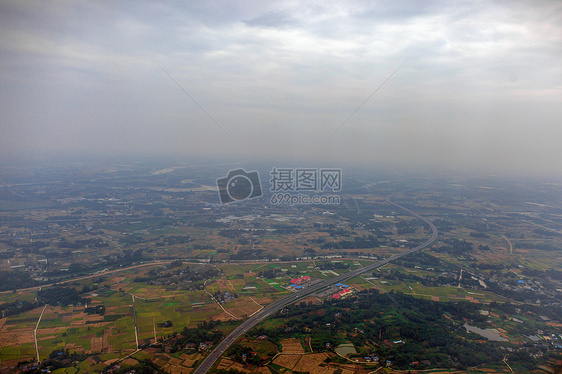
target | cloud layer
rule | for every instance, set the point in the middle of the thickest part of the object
(481, 88)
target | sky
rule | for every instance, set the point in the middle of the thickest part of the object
(455, 85)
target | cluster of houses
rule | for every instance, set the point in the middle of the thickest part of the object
(344, 292)
(201, 347)
(371, 358)
(297, 283)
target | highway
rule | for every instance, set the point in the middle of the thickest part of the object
(293, 298)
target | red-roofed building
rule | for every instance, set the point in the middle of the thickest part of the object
(300, 280)
(345, 292)
(336, 296)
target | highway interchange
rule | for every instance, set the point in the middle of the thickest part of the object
(280, 304)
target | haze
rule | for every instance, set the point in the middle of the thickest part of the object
(480, 87)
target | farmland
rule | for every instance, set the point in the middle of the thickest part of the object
(143, 262)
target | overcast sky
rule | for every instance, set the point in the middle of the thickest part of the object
(478, 86)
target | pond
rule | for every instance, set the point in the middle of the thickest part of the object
(346, 349)
(490, 334)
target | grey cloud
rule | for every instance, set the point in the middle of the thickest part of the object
(79, 77)
(276, 18)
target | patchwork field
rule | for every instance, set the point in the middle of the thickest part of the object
(291, 347)
(311, 363)
(113, 332)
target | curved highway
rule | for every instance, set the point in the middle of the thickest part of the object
(280, 304)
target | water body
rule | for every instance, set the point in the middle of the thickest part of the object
(346, 349)
(490, 334)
